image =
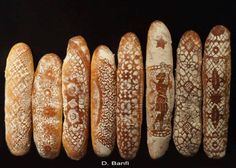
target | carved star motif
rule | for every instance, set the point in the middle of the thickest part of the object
(161, 43)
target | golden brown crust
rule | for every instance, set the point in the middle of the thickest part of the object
(19, 76)
(47, 106)
(216, 75)
(103, 101)
(130, 83)
(75, 92)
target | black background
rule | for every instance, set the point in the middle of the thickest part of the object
(46, 26)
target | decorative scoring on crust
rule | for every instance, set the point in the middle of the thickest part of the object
(47, 106)
(19, 76)
(75, 92)
(160, 89)
(216, 91)
(187, 121)
(160, 83)
(103, 101)
(129, 95)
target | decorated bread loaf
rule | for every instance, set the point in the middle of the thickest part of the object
(47, 106)
(187, 131)
(75, 92)
(103, 101)
(216, 75)
(130, 88)
(19, 76)
(160, 89)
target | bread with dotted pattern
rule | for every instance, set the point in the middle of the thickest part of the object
(130, 90)
(103, 101)
(47, 106)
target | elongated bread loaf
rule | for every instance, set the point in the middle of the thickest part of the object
(75, 92)
(47, 106)
(130, 83)
(216, 75)
(103, 101)
(19, 76)
(160, 89)
(187, 131)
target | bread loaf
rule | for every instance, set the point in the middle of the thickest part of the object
(216, 75)
(130, 83)
(160, 89)
(19, 76)
(75, 92)
(187, 130)
(47, 106)
(103, 101)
